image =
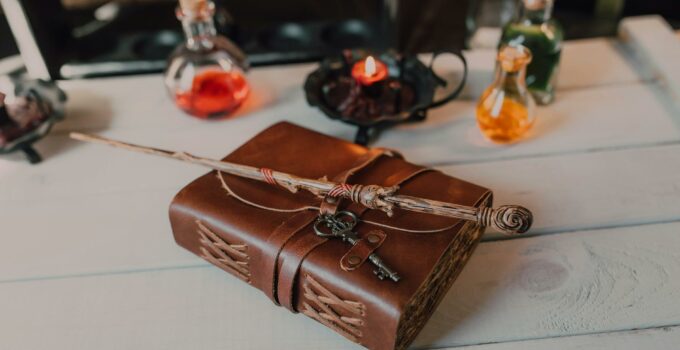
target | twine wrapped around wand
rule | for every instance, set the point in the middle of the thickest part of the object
(508, 219)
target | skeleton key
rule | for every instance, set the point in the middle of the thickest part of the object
(341, 225)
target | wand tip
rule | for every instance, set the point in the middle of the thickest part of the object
(78, 136)
(89, 138)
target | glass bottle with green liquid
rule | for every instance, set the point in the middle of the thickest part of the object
(535, 29)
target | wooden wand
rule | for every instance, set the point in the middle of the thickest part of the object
(508, 219)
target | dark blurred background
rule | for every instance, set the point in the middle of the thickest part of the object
(80, 38)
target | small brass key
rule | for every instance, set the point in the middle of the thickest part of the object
(341, 225)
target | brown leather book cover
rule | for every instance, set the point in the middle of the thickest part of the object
(264, 235)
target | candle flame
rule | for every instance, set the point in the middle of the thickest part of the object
(369, 67)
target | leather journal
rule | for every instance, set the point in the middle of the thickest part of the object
(265, 235)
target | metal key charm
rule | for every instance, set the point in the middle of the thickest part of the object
(341, 225)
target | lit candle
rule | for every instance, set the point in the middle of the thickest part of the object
(369, 71)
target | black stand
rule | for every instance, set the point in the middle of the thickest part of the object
(31, 154)
(365, 135)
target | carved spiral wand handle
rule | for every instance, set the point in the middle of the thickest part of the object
(508, 219)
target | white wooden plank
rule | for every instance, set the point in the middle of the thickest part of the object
(141, 101)
(579, 120)
(602, 118)
(595, 62)
(72, 236)
(654, 338)
(584, 63)
(196, 308)
(78, 170)
(654, 42)
(597, 281)
(61, 219)
(589, 190)
(587, 282)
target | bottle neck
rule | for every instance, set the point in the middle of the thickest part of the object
(513, 80)
(199, 28)
(535, 14)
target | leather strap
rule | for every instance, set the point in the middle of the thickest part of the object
(268, 255)
(290, 261)
(292, 256)
(359, 253)
(405, 174)
(329, 205)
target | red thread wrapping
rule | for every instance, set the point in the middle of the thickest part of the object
(340, 190)
(268, 176)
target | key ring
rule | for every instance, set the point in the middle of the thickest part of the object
(353, 219)
(341, 221)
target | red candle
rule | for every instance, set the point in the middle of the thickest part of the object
(369, 71)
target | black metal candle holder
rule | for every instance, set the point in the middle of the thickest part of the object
(404, 96)
(49, 100)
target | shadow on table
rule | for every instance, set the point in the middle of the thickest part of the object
(260, 97)
(472, 292)
(55, 144)
(85, 112)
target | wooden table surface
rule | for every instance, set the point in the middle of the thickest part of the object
(87, 259)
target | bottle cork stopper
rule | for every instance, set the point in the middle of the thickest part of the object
(536, 4)
(193, 6)
(513, 57)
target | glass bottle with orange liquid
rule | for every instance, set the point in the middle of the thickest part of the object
(205, 75)
(506, 109)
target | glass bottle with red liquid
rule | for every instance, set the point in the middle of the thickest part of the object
(205, 75)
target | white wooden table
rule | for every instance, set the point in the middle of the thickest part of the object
(87, 260)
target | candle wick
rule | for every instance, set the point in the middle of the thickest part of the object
(369, 67)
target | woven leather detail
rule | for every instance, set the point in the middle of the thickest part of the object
(346, 317)
(232, 258)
